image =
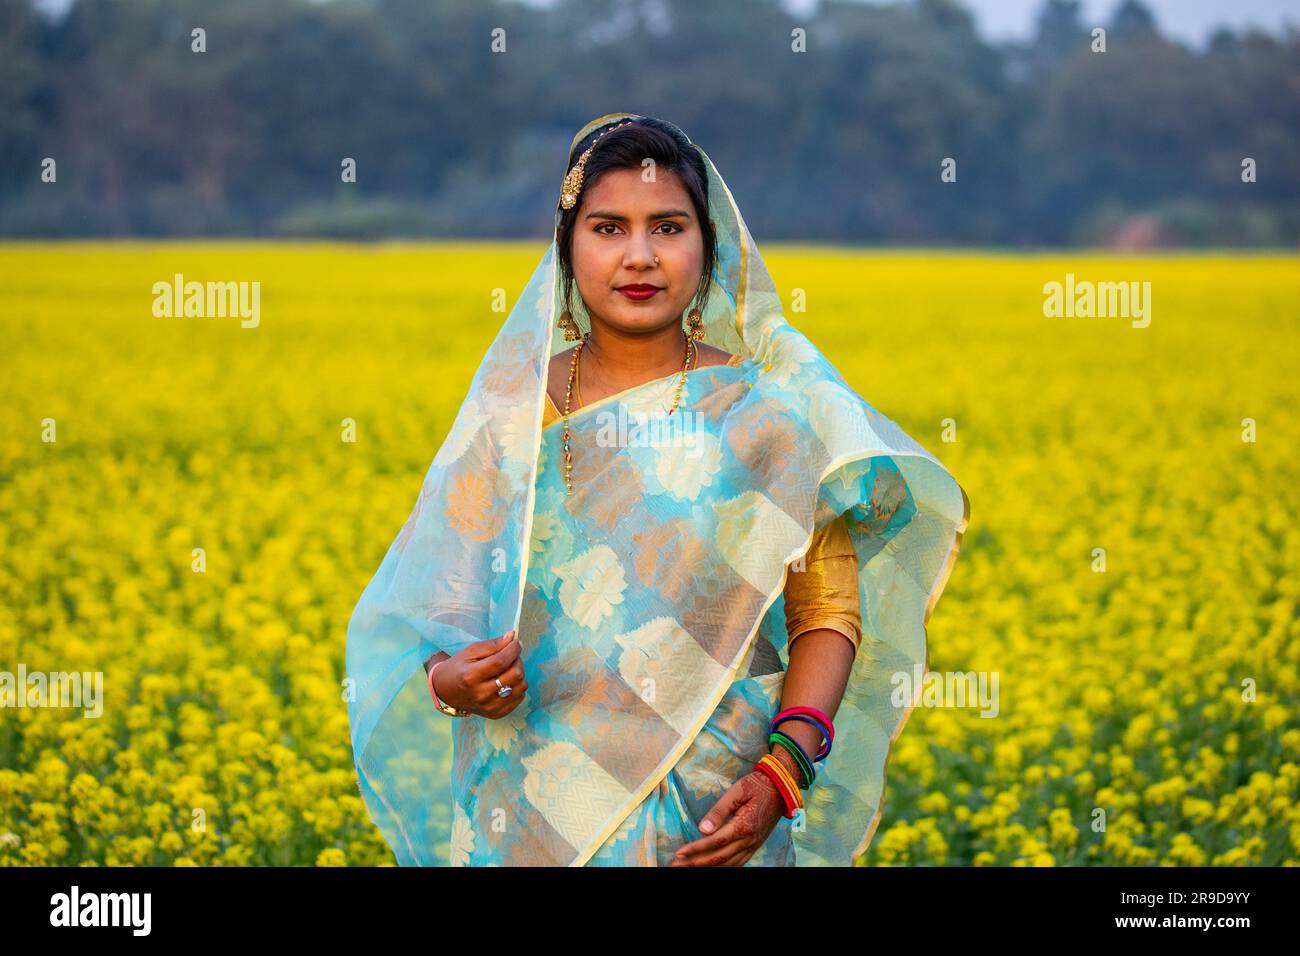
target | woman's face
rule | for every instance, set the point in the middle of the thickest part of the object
(622, 224)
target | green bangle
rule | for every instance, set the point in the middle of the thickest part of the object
(795, 751)
(800, 758)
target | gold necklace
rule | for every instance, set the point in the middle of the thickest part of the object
(691, 349)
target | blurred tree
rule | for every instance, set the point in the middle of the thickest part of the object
(829, 124)
(1059, 33)
(27, 101)
(1132, 19)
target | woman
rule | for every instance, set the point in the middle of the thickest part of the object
(610, 688)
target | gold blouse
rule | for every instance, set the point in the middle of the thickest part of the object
(825, 593)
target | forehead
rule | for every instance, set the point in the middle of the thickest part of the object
(623, 190)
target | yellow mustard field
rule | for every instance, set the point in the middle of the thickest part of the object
(191, 506)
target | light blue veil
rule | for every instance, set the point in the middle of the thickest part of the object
(458, 569)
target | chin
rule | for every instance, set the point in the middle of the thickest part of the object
(634, 320)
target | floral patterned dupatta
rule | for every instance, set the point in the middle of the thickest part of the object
(641, 597)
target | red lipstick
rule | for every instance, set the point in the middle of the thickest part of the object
(639, 291)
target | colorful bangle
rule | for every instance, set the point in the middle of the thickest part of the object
(826, 738)
(770, 767)
(768, 772)
(814, 713)
(797, 752)
(813, 716)
(789, 779)
(447, 709)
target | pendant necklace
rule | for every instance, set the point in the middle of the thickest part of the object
(692, 350)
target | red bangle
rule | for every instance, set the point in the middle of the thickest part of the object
(810, 715)
(780, 787)
(814, 713)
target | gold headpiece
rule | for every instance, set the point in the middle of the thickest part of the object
(573, 180)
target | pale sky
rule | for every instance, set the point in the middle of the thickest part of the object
(1191, 21)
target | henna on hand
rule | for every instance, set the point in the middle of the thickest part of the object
(755, 809)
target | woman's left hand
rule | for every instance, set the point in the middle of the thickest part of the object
(754, 806)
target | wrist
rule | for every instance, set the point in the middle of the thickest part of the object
(438, 699)
(788, 761)
(782, 783)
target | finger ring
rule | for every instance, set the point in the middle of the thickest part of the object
(503, 690)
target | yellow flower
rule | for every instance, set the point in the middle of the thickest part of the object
(1166, 791)
(936, 802)
(221, 685)
(1196, 809)
(1185, 852)
(1276, 716)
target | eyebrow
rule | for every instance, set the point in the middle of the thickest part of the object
(666, 214)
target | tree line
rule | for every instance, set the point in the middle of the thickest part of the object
(856, 123)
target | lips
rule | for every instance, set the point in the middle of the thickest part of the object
(638, 291)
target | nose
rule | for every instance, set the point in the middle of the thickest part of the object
(639, 252)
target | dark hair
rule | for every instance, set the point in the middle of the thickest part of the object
(626, 148)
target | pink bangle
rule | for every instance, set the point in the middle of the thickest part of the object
(436, 702)
(815, 714)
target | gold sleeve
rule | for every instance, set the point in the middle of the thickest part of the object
(549, 413)
(825, 593)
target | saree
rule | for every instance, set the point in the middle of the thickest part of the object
(649, 602)
(823, 594)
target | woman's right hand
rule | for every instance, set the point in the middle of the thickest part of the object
(467, 679)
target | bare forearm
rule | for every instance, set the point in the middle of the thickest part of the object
(820, 662)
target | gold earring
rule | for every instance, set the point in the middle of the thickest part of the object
(571, 331)
(694, 324)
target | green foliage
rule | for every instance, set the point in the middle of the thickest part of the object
(247, 138)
